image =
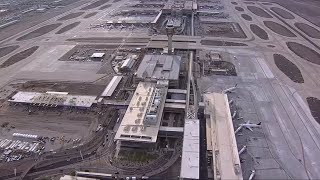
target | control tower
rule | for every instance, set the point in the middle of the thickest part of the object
(170, 31)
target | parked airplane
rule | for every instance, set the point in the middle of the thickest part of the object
(229, 90)
(249, 126)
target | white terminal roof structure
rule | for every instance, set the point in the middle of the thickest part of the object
(190, 163)
(97, 55)
(128, 63)
(53, 99)
(221, 139)
(108, 91)
(165, 67)
(142, 119)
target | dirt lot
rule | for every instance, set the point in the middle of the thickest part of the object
(68, 27)
(288, 68)
(221, 43)
(90, 15)
(19, 56)
(279, 29)
(314, 105)
(304, 52)
(110, 40)
(95, 4)
(258, 31)
(308, 30)
(83, 52)
(283, 13)
(259, 12)
(221, 29)
(72, 88)
(239, 9)
(246, 17)
(8, 49)
(39, 32)
(70, 16)
(105, 7)
(69, 123)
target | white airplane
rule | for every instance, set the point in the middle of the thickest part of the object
(249, 126)
(229, 90)
(242, 150)
(253, 172)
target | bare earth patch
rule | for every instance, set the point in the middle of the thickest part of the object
(258, 31)
(221, 43)
(70, 16)
(314, 105)
(308, 30)
(19, 56)
(8, 49)
(283, 13)
(68, 27)
(246, 17)
(304, 52)
(90, 15)
(39, 32)
(239, 8)
(259, 12)
(95, 4)
(105, 7)
(288, 68)
(279, 29)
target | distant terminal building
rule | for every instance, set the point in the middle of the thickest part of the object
(141, 122)
(160, 67)
(186, 6)
(53, 99)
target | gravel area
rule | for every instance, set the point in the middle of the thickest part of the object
(239, 9)
(246, 17)
(8, 49)
(283, 13)
(70, 16)
(304, 52)
(258, 31)
(259, 12)
(279, 29)
(19, 56)
(314, 105)
(68, 27)
(95, 4)
(105, 7)
(39, 32)
(90, 15)
(308, 30)
(221, 43)
(288, 68)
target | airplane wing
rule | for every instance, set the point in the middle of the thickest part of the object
(249, 128)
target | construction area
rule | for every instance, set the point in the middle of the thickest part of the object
(166, 89)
